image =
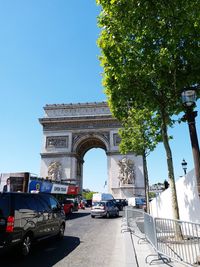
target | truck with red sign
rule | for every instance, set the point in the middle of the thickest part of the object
(26, 182)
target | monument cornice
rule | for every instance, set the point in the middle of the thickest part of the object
(111, 153)
(129, 186)
(93, 115)
(78, 119)
(77, 110)
(57, 154)
(76, 105)
(49, 125)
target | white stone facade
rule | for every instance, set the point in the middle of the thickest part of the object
(70, 130)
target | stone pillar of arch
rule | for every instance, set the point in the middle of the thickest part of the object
(70, 130)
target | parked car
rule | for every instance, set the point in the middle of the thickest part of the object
(124, 202)
(68, 206)
(104, 209)
(75, 202)
(25, 218)
(140, 202)
(82, 204)
(88, 203)
(118, 203)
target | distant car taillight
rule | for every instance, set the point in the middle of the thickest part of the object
(10, 224)
(102, 208)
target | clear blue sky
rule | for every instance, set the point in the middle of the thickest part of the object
(48, 55)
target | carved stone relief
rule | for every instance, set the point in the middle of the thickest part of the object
(77, 109)
(57, 141)
(81, 125)
(116, 139)
(126, 171)
(55, 171)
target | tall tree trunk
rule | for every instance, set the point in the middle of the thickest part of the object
(175, 209)
(146, 181)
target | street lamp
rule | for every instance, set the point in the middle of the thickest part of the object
(184, 166)
(189, 102)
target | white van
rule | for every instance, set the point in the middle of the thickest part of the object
(138, 202)
(101, 197)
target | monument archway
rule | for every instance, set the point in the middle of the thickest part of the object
(83, 144)
(70, 130)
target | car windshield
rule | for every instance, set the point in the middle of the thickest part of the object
(98, 204)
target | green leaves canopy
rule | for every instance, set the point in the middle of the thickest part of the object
(140, 132)
(150, 52)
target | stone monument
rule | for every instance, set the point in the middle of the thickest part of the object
(70, 130)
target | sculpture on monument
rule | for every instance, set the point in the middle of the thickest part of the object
(126, 171)
(54, 171)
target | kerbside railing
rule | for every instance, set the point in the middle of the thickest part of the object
(171, 239)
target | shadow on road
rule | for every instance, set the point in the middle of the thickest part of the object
(82, 213)
(110, 218)
(43, 254)
(76, 215)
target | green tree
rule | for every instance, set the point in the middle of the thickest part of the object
(152, 194)
(140, 134)
(88, 195)
(150, 53)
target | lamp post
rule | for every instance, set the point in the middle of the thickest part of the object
(189, 101)
(184, 166)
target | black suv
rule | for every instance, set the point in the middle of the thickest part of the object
(25, 218)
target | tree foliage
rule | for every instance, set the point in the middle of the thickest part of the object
(150, 53)
(88, 195)
(152, 194)
(140, 134)
(143, 126)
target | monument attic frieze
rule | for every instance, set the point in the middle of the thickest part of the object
(80, 109)
(71, 125)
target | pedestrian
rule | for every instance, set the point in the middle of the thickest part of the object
(7, 187)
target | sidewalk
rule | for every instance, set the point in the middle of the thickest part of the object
(137, 252)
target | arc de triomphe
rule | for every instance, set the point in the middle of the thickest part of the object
(70, 130)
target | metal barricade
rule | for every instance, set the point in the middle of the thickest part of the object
(177, 240)
(149, 229)
(133, 215)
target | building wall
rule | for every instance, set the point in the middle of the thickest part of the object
(188, 200)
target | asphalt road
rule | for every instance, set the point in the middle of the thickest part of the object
(87, 243)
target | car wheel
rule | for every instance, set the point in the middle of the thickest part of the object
(92, 216)
(26, 245)
(117, 214)
(107, 215)
(61, 231)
